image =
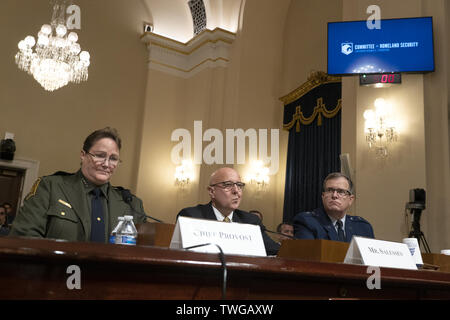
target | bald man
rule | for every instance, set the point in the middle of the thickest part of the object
(225, 190)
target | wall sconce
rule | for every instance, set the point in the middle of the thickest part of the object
(258, 175)
(184, 174)
(380, 129)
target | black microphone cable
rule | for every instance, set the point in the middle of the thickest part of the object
(128, 198)
(263, 229)
(224, 265)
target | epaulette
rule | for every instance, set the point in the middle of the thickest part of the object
(62, 173)
(357, 219)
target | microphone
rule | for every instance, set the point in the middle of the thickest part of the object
(264, 229)
(128, 198)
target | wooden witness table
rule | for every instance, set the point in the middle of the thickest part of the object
(37, 269)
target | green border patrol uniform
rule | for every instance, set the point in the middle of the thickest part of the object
(58, 207)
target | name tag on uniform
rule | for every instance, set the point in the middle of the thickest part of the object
(379, 253)
(233, 238)
(64, 203)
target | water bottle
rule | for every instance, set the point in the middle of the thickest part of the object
(112, 237)
(127, 233)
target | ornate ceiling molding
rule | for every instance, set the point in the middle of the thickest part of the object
(209, 49)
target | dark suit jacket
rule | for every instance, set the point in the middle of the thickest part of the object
(205, 211)
(317, 225)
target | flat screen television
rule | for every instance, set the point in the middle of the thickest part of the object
(400, 45)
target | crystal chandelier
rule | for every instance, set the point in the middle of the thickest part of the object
(380, 129)
(57, 58)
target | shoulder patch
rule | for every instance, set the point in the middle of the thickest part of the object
(33, 189)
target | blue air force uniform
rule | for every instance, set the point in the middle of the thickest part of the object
(318, 225)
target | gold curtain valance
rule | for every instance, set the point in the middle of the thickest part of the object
(315, 79)
(319, 111)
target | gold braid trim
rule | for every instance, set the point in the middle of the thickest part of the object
(319, 110)
(315, 79)
(33, 189)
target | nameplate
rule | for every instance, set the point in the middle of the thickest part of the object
(233, 238)
(379, 253)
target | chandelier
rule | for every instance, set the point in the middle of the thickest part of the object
(380, 129)
(57, 58)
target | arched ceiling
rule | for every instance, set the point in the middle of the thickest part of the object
(173, 19)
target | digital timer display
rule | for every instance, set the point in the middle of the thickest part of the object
(380, 78)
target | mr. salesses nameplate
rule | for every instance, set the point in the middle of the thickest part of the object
(379, 253)
(233, 238)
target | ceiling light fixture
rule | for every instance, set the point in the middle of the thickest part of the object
(57, 58)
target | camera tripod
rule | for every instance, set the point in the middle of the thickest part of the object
(416, 232)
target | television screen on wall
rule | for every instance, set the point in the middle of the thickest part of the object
(400, 45)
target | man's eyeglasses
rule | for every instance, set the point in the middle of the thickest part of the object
(101, 158)
(340, 192)
(228, 185)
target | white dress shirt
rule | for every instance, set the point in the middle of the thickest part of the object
(220, 216)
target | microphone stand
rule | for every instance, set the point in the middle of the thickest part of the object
(416, 211)
(128, 198)
(144, 215)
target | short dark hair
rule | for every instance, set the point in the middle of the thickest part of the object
(256, 212)
(279, 226)
(336, 175)
(100, 134)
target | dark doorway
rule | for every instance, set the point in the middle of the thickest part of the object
(11, 185)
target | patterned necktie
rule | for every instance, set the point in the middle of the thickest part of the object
(226, 219)
(340, 231)
(97, 221)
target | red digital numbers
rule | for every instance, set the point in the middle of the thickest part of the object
(387, 78)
